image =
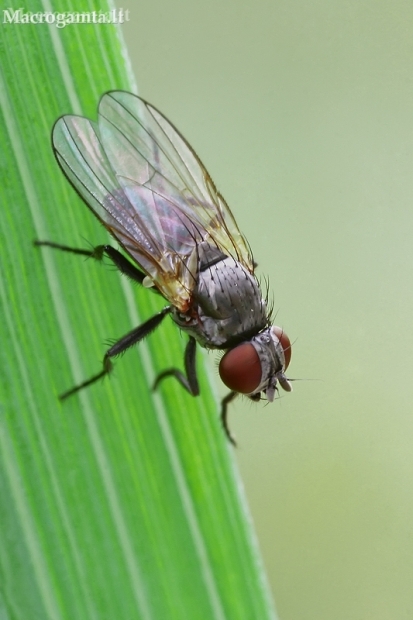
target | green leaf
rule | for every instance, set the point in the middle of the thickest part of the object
(119, 503)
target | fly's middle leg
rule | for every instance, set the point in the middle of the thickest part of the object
(189, 379)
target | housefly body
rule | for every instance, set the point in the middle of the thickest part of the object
(147, 186)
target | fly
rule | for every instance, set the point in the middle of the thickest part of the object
(146, 185)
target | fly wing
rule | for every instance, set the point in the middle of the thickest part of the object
(145, 149)
(149, 189)
(79, 152)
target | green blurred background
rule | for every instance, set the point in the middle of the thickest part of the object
(303, 115)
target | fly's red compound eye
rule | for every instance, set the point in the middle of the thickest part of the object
(285, 343)
(240, 369)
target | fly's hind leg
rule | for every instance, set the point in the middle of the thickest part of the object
(133, 337)
(188, 380)
(120, 262)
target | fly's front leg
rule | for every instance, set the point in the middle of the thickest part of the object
(189, 381)
(133, 337)
(224, 415)
(122, 263)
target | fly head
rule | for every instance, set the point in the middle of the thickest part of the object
(258, 365)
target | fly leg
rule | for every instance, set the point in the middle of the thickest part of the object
(224, 415)
(189, 380)
(122, 263)
(133, 337)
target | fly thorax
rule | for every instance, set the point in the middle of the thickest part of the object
(229, 302)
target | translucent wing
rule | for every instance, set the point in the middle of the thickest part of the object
(150, 190)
